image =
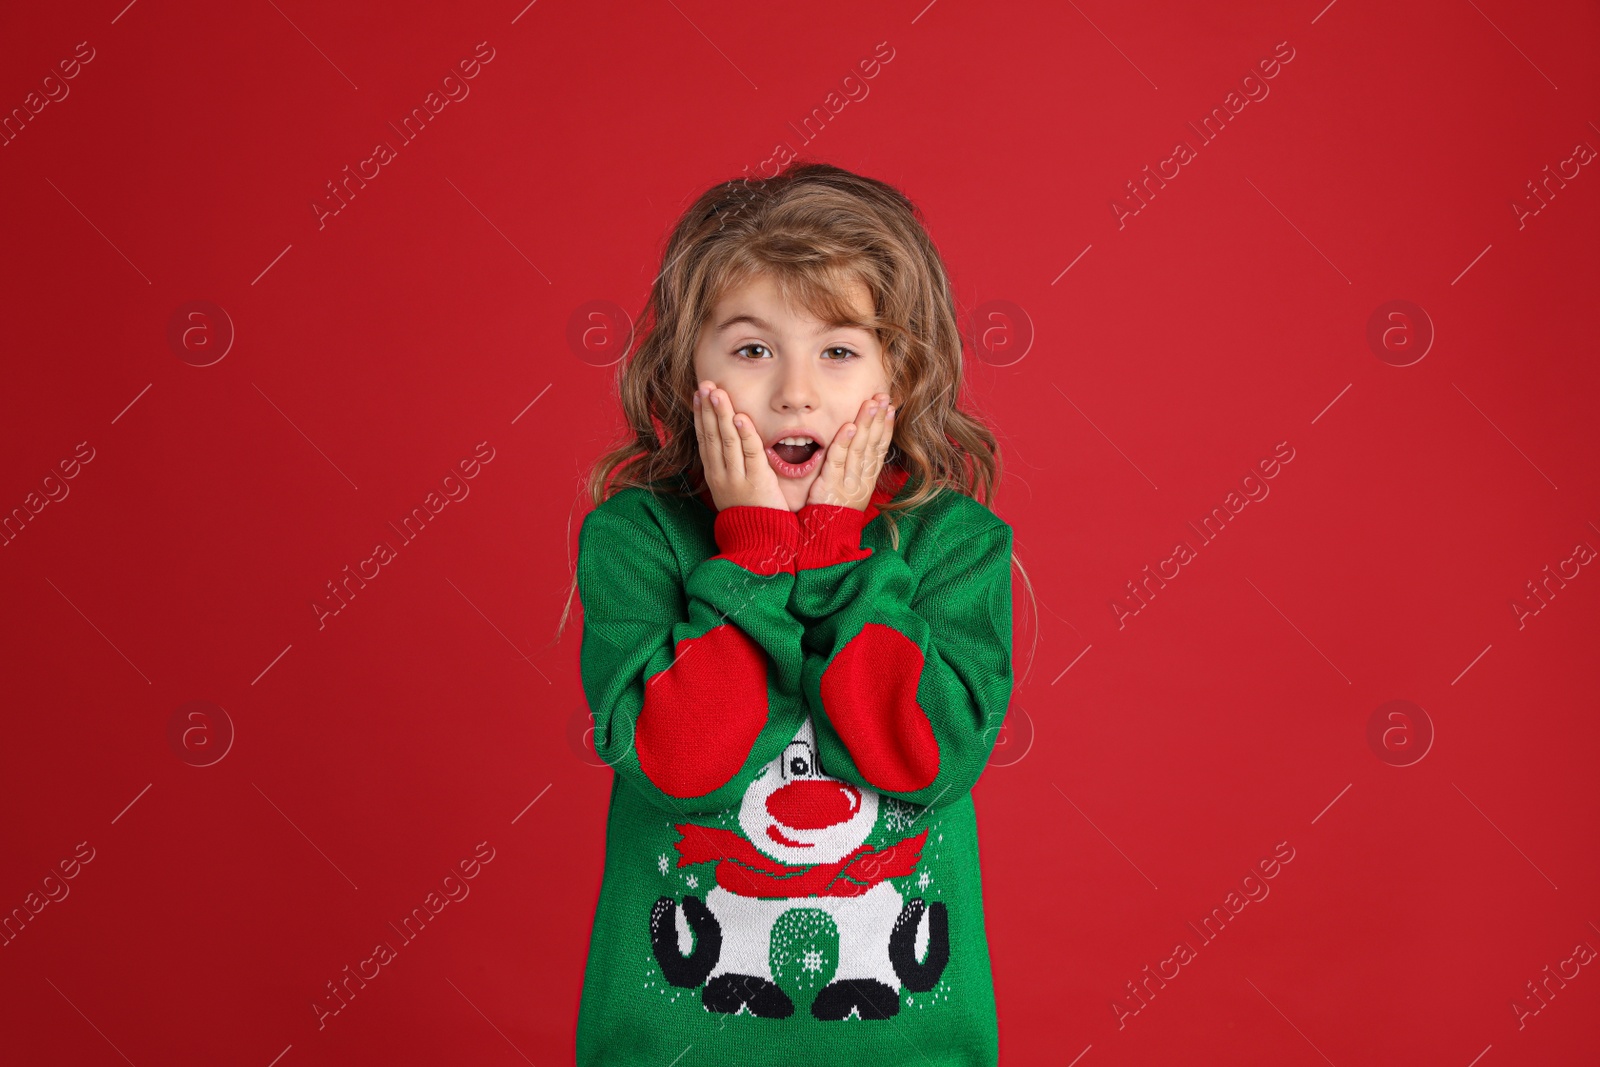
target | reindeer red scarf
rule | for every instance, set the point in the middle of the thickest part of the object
(744, 870)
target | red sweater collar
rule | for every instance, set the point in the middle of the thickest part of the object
(890, 482)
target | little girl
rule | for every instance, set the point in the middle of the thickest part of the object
(796, 690)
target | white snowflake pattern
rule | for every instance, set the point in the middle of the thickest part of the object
(923, 879)
(898, 815)
(693, 880)
(661, 863)
(812, 961)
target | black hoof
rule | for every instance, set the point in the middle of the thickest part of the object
(730, 992)
(687, 971)
(920, 977)
(870, 997)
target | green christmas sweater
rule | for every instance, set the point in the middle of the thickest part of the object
(796, 713)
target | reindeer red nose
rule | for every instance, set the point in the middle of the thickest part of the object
(812, 805)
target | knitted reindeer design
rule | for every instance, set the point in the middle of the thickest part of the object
(803, 847)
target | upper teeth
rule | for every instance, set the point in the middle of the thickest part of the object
(795, 441)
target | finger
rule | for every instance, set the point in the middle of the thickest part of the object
(830, 477)
(702, 422)
(864, 413)
(867, 437)
(878, 447)
(888, 435)
(732, 450)
(710, 451)
(863, 424)
(755, 453)
(851, 477)
(873, 451)
(838, 448)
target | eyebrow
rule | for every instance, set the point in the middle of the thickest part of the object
(762, 324)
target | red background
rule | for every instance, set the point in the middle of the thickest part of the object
(1148, 765)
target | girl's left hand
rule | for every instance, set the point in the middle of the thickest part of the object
(852, 463)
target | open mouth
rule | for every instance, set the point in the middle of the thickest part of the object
(796, 454)
(794, 460)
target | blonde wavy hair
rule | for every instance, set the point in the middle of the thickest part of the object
(814, 229)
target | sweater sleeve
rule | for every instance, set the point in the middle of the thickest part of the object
(913, 678)
(693, 683)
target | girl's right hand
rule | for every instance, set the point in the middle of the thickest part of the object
(733, 457)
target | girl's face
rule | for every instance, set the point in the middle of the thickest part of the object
(791, 374)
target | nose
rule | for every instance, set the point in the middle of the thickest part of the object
(797, 391)
(813, 804)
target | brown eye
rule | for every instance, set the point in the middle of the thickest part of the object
(752, 344)
(849, 353)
